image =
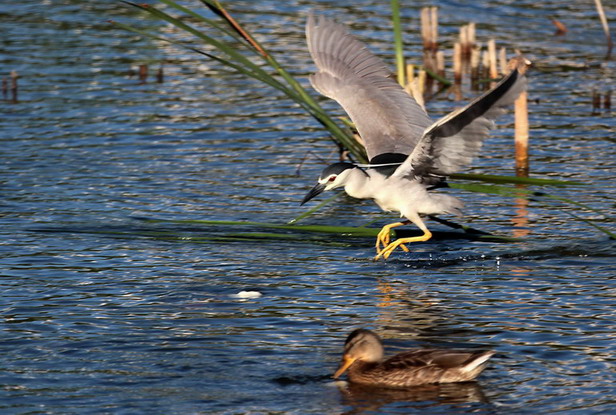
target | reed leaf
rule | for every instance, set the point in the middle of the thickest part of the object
(298, 231)
(314, 209)
(536, 196)
(444, 81)
(493, 178)
(236, 59)
(239, 62)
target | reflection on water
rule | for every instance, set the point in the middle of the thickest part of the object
(105, 311)
(364, 399)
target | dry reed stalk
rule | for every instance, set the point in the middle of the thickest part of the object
(410, 73)
(425, 27)
(411, 82)
(596, 101)
(14, 87)
(471, 35)
(561, 29)
(143, 74)
(485, 68)
(412, 88)
(429, 34)
(440, 63)
(606, 28)
(475, 58)
(463, 42)
(160, 75)
(421, 82)
(502, 60)
(521, 135)
(429, 28)
(521, 120)
(607, 100)
(493, 74)
(467, 43)
(457, 63)
(434, 28)
(472, 41)
(430, 65)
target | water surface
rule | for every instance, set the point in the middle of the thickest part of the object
(105, 312)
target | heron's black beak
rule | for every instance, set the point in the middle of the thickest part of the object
(315, 191)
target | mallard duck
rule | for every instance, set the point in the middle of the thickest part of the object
(363, 358)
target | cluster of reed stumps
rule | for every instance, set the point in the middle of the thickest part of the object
(470, 59)
(142, 74)
(601, 99)
(481, 66)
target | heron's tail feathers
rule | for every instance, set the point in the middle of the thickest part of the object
(446, 204)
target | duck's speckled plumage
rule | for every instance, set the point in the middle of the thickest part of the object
(363, 358)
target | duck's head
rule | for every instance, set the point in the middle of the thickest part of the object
(363, 345)
(333, 176)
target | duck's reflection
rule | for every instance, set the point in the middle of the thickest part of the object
(369, 398)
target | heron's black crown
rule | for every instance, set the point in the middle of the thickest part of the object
(336, 169)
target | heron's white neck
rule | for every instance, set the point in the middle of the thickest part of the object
(358, 183)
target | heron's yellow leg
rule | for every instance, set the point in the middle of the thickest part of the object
(385, 233)
(386, 252)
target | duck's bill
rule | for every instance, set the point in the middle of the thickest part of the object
(315, 191)
(346, 362)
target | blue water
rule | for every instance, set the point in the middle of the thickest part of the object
(106, 311)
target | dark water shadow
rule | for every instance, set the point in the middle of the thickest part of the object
(363, 398)
(598, 248)
(204, 233)
(140, 228)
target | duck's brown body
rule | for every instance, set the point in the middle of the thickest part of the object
(363, 358)
(419, 367)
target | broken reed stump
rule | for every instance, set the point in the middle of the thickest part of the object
(521, 121)
(561, 29)
(521, 135)
(457, 63)
(143, 74)
(606, 28)
(9, 85)
(467, 44)
(597, 102)
(502, 60)
(492, 70)
(440, 64)
(475, 58)
(484, 67)
(429, 36)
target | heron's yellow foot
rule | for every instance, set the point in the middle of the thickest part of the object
(384, 235)
(386, 252)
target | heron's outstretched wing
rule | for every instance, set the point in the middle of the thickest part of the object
(387, 118)
(450, 143)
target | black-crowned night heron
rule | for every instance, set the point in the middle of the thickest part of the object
(363, 358)
(410, 156)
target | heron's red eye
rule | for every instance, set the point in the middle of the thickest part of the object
(332, 178)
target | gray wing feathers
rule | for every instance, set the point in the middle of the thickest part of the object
(333, 49)
(450, 143)
(386, 117)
